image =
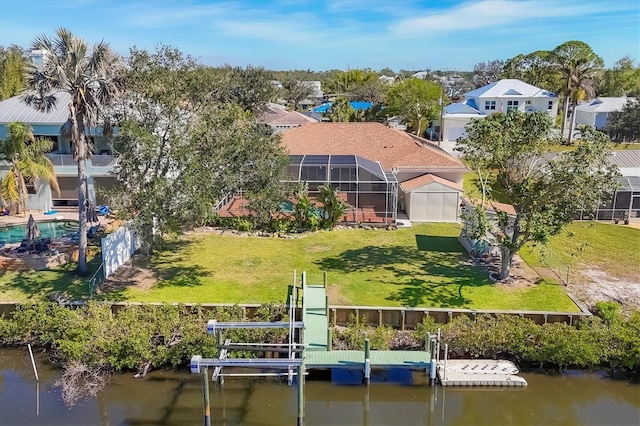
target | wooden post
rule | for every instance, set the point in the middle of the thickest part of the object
(367, 361)
(301, 372)
(205, 396)
(403, 314)
(329, 339)
(326, 308)
(324, 279)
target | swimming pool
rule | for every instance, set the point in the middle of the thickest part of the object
(50, 229)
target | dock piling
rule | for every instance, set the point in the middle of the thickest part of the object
(301, 372)
(367, 361)
(205, 395)
(444, 368)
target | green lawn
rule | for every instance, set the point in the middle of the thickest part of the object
(420, 266)
(36, 285)
(472, 189)
(614, 147)
(612, 248)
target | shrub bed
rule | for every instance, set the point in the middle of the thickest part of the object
(608, 339)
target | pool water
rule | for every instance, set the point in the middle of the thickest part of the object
(51, 229)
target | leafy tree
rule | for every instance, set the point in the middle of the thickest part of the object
(387, 72)
(12, 66)
(295, 91)
(580, 69)
(509, 148)
(416, 101)
(487, 72)
(27, 162)
(621, 80)
(351, 83)
(341, 111)
(90, 76)
(534, 68)
(184, 146)
(248, 87)
(624, 125)
(334, 206)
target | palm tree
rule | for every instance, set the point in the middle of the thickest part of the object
(91, 77)
(27, 163)
(580, 69)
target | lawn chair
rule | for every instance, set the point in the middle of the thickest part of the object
(104, 210)
(93, 231)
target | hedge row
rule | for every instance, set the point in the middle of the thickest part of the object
(168, 335)
(606, 339)
(134, 336)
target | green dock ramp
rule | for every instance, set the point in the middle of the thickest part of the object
(318, 355)
(315, 318)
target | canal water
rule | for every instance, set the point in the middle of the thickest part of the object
(175, 398)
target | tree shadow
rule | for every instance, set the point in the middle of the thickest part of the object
(58, 283)
(433, 273)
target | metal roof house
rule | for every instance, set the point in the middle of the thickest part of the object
(596, 112)
(52, 125)
(499, 96)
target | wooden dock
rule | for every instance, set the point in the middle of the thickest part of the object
(479, 372)
(318, 352)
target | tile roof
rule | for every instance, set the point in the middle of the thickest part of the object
(374, 141)
(509, 87)
(417, 182)
(14, 109)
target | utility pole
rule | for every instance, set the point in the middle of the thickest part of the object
(441, 103)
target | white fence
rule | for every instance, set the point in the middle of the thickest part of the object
(117, 248)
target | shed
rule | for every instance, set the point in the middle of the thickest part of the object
(430, 198)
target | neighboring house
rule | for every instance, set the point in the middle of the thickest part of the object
(378, 170)
(624, 203)
(595, 113)
(500, 96)
(288, 120)
(51, 125)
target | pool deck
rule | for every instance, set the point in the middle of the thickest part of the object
(39, 216)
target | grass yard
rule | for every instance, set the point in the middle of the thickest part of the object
(614, 146)
(472, 189)
(420, 266)
(612, 248)
(36, 285)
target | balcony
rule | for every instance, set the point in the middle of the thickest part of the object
(99, 163)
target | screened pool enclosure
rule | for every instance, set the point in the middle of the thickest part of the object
(371, 192)
(624, 204)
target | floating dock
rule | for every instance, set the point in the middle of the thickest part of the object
(479, 372)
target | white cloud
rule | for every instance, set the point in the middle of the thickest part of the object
(492, 13)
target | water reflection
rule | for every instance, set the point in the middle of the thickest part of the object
(171, 398)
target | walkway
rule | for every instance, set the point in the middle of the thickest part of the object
(318, 355)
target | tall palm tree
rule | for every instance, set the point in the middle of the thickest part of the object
(27, 162)
(91, 77)
(580, 69)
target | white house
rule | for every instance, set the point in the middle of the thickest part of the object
(595, 113)
(500, 96)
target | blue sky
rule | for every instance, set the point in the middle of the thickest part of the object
(336, 34)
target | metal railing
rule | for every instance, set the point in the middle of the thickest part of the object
(66, 160)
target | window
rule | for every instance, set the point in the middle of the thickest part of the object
(550, 105)
(512, 105)
(529, 102)
(490, 105)
(30, 186)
